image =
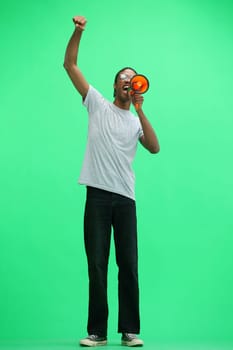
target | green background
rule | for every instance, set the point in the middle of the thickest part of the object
(184, 194)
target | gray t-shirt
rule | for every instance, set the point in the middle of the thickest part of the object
(113, 135)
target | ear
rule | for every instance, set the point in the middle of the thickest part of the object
(114, 91)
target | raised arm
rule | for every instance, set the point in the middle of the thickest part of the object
(71, 57)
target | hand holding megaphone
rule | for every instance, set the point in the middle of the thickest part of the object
(139, 84)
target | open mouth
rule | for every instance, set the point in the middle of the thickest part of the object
(126, 88)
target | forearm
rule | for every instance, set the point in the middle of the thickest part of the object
(71, 54)
(149, 139)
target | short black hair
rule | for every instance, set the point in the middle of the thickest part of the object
(117, 75)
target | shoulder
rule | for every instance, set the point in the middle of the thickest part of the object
(95, 102)
(92, 93)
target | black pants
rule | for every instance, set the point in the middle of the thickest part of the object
(103, 211)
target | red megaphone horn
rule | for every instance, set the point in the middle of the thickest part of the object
(139, 84)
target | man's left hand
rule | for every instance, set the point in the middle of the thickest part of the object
(137, 100)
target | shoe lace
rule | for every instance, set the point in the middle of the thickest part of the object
(93, 337)
(131, 335)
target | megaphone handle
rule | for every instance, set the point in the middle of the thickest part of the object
(136, 106)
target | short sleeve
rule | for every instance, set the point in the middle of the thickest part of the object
(140, 131)
(93, 100)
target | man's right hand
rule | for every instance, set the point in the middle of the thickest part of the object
(80, 22)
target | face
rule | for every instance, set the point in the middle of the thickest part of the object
(122, 85)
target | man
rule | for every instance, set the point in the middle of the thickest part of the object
(113, 134)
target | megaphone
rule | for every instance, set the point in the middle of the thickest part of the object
(139, 84)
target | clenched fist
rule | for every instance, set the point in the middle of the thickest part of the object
(137, 100)
(80, 22)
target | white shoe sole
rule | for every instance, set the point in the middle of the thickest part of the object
(91, 343)
(132, 343)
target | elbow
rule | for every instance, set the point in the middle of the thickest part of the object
(66, 66)
(154, 149)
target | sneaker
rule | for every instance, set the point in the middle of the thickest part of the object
(129, 339)
(93, 340)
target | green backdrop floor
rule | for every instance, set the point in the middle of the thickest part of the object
(114, 345)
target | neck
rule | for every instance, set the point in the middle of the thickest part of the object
(121, 104)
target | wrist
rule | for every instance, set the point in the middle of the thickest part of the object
(138, 108)
(78, 32)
